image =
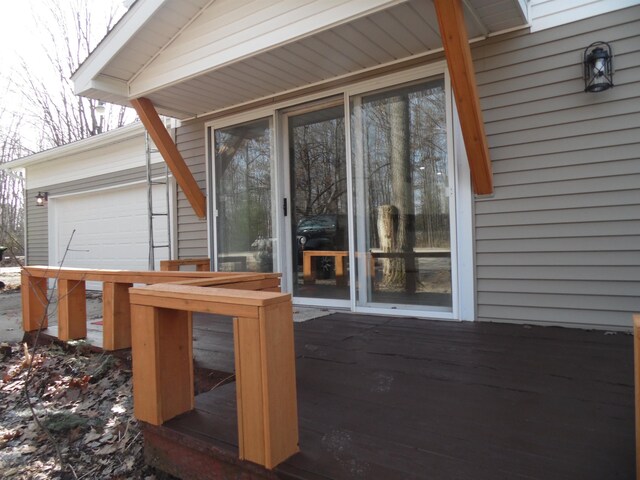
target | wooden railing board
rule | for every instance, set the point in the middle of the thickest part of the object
(116, 299)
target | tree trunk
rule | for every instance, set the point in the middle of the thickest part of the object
(402, 239)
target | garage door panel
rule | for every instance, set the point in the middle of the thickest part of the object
(110, 229)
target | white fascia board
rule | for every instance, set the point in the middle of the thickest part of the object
(102, 83)
(137, 16)
(149, 81)
(113, 136)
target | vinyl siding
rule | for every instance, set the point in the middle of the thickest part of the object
(551, 13)
(558, 241)
(191, 230)
(37, 217)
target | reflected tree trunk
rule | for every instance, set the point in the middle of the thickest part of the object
(398, 232)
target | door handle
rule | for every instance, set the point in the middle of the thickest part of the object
(284, 206)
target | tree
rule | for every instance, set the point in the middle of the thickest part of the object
(11, 184)
(56, 114)
(396, 222)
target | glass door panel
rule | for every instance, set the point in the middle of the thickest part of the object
(244, 221)
(401, 177)
(318, 176)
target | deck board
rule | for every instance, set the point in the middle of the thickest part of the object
(403, 398)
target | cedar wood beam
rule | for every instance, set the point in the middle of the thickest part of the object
(456, 48)
(160, 136)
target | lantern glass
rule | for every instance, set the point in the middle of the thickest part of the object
(598, 69)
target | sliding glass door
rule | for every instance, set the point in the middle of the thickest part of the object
(402, 187)
(318, 195)
(244, 233)
(355, 211)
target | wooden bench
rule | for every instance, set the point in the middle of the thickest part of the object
(309, 267)
(116, 314)
(201, 264)
(264, 362)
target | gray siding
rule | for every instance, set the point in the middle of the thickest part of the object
(37, 217)
(559, 240)
(192, 231)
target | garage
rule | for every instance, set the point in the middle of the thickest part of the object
(111, 228)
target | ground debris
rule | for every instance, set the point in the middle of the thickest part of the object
(84, 399)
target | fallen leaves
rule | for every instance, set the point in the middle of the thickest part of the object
(84, 400)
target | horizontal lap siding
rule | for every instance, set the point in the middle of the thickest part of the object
(559, 242)
(37, 217)
(192, 231)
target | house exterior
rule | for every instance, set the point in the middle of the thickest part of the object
(96, 209)
(337, 142)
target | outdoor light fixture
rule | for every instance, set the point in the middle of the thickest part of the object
(42, 198)
(598, 69)
(100, 109)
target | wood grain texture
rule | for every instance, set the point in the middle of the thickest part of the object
(116, 316)
(172, 157)
(146, 365)
(384, 398)
(456, 47)
(278, 383)
(249, 394)
(72, 309)
(34, 302)
(201, 264)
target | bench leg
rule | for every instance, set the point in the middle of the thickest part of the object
(266, 386)
(161, 346)
(116, 316)
(34, 302)
(308, 269)
(72, 310)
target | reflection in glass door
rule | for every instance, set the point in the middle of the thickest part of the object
(244, 226)
(318, 176)
(401, 175)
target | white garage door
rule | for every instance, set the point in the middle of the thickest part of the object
(111, 229)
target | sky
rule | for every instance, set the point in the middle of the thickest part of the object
(24, 27)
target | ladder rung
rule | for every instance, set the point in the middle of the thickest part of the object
(157, 182)
(159, 214)
(161, 246)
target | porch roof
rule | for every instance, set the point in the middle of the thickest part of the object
(195, 57)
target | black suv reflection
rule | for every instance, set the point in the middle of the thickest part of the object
(321, 232)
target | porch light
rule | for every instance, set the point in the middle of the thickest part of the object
(100, 109)
(42, 198)
(598, 68)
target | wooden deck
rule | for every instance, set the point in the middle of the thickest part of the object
(383, 398)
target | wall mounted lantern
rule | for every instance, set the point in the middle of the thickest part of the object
(598, 68)
(42, 198)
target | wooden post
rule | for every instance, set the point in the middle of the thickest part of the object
(266, 385)
(161, 347)
(116, 316)
(463, 80)
(34, 302)
(72, 309)
(636, 357)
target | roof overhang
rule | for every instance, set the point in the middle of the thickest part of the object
(190, 59)
(104, 139)
(158, 49)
